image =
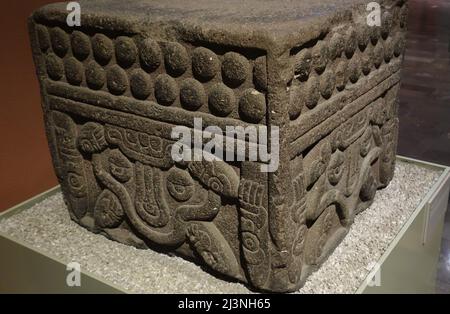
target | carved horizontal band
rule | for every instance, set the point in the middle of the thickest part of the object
(326, 109)
(338, 118)
(134, 122)
(148, 109)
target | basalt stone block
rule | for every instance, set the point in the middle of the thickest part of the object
(114, 88)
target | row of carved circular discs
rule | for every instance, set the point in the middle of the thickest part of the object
(358, 36)
(234, 67)
(205, 66)
(191, 92)
(324, 85)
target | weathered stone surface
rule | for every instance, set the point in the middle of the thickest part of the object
(114, 88)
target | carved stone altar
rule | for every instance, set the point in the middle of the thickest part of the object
(114, 88)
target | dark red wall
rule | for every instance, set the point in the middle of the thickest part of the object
(25, 166)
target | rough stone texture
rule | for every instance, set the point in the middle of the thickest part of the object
(48, 227)
(114, 88)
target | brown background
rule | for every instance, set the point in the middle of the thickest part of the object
(25, 165)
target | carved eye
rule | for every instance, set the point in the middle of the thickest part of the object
(215, 184)
(76, 184)
(250, 242)
(180, 184)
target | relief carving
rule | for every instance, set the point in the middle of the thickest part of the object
(71, 162)
(113, 92)
(214, 250)
(140, 146)
(254, 231)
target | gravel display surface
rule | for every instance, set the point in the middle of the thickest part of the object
(47, 226)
